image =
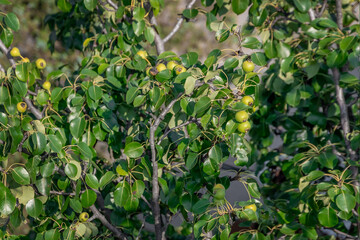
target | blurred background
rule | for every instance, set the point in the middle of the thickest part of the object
(33, 37)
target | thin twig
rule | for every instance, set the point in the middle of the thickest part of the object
(159, 43)
(174, 128)
(103, 4)
(117, 233)
(342, 233)
(2, 69)
(6, 51)
(19, 148)
(142, 226)
(322, 9)
(312, 14)
(62, 193)
(111, 3)
(146, 201)
(33, 109)
(178, 24)
(32, 93)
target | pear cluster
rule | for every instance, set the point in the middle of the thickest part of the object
(172, 66)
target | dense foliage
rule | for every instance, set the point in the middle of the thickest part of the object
(131, 140)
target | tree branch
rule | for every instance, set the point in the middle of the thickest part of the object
(33, 109)
(344, 116)
(174, 128)
(2, 69)
(117, 233)
(178, 24)
(312, 14)
(339, 15)
(6, 51)
(159, 43)
(155, 177)
(103, 4)
(111, 3)
(322, 9)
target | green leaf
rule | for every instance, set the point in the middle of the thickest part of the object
(200, 206)
(348, 78)
(347, 43)
(64, 5)
(239, 6)
(131, 94)
(254, 190)
(92, 181)
(328, 159)
(270, 49)
(105, 179)
(221, 35)
(77, 127)
(149, 34)
(7, 37)
(190, 13)
(52, 234)
(43, 185)
(189, 85)
(189, 59)
(22, 72)
(4, 94)
(167, 54)
(251, 42)
(327, 217)
(191, 160)
(34, 207)
(55, 143)
(202, 105)
(303, 5)
(198, 226)
(138, 188)
(231, 63)
(47, 169)
(215, 153)
(90, 4)
(314, 175)
(95, 93)
(75, 204)
(42, 97)
(37, 143)
(5, 2)
(312, 69)
(139, 13)
(139, 100)
(293, 97)
(85, 150)
(12, 21)
(335, 59)
(121, 196)
(283, 50)
(138, 29)
(88, 198)
(71, 170)
(210, 167)
(259, 58)
(326, 23)
(345, 201)
(134, 150)
(88, 72)
(7, 200)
